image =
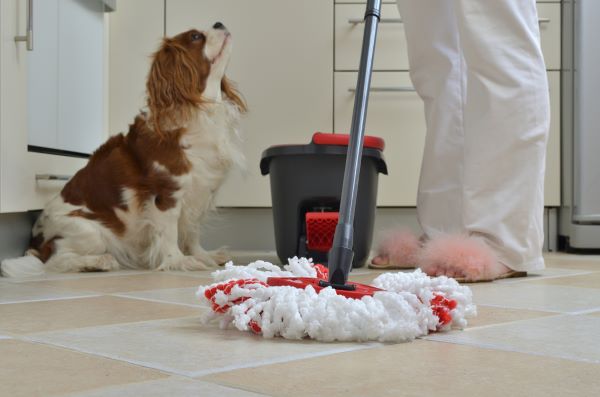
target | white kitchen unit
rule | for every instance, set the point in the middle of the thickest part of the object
(296, 71)
(28, 179)
(136, 30)
(282, 67)
(396, 112)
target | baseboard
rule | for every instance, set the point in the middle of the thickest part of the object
(240, 229)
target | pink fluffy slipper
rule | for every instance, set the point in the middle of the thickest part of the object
(465, 258)
(399, 249)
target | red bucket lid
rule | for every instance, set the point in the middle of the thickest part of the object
(322, 138)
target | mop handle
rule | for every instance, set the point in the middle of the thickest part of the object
(341, 254)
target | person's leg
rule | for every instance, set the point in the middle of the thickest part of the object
(506, 123)
(437, 73)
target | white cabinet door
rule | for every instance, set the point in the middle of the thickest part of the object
(66, 76)
(391, 53)
(136, 30)
(19, 189)
(282, 62)
(398, 117)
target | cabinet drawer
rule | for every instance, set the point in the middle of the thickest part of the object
(398, 117)
(391, 54)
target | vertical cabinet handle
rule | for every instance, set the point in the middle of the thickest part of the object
(28, 38)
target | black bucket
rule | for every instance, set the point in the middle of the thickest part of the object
(308, 179)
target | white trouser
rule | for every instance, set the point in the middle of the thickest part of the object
(478, 66)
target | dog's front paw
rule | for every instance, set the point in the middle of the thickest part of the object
(212, 258)
(183, 262)
(103, 263)
(221, 256)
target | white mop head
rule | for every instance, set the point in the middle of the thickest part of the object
(412, 305)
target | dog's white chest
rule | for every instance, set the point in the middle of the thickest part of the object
(212, 146)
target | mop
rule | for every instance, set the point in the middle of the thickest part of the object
(306, 300)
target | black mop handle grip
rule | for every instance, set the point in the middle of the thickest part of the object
(341, 254)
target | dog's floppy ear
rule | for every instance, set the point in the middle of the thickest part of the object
(228, 89)
(175, 85)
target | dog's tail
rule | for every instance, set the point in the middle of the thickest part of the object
(25, 266)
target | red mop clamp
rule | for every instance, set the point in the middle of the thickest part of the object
(350, 290)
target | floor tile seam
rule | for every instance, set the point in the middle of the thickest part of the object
(179, 378)
(521, 308)
(486, 326)
(87, 352)
(190, 274)
(101, 326)
(153, 300)
(236, 386)
(519, 280)
(75, 276)
(591, 309)
(111, 357)
(288, 359)
(496, 347)
(197, 374)
(585, 311)
(60, 298)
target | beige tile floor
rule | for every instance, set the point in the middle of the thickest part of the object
(139, 334)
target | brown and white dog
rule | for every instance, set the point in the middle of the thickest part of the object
(140, 200)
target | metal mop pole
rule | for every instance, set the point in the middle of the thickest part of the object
(341, 253)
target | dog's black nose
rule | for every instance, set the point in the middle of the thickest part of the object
(218, 25)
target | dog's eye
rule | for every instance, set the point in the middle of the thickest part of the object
(197, 36)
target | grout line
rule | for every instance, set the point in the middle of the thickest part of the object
(522, 308)
(96, 354)
(583, 312)
(155, 300)
(288, 359)
(95, 295)
(99, 326)
(492, 346)
(195, 374)
(552, 314)
(79, 276)
(517, 280)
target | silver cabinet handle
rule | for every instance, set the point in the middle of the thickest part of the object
(388, 89)
(543, 20)
(357, 21)
(28, 38)
(52, 177)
